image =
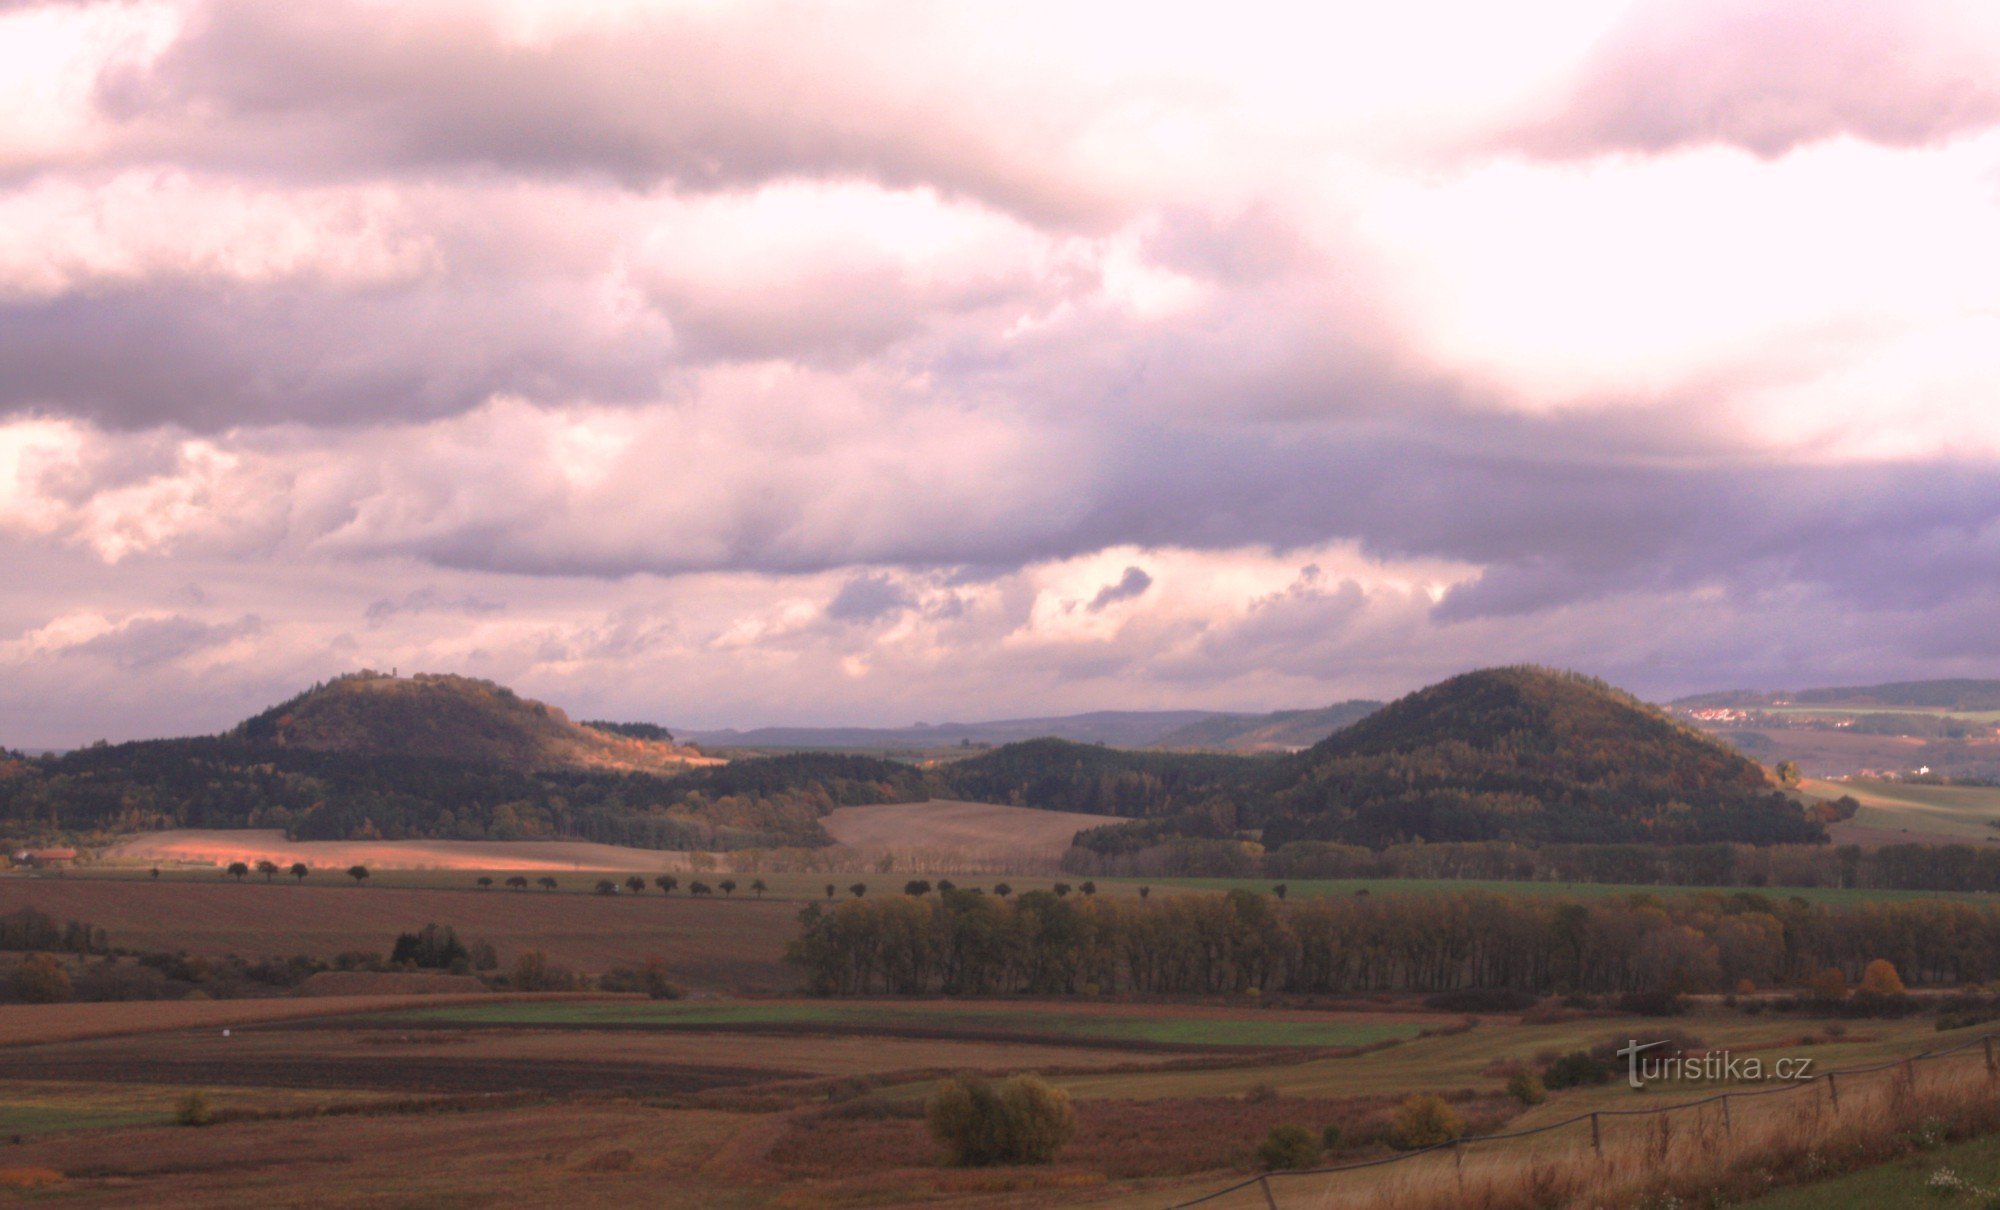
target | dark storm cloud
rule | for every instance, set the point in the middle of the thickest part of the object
(868, 598)
(146, 642)
(211, 356)
(1769, 75)
(1132, 584)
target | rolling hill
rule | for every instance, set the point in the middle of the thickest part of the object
(1279, 731)
(1119, 728)
(453, 718)
(1527, 754)
(1955, 696)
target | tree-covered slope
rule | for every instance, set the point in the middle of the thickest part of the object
(1527, 753)
(451, 718)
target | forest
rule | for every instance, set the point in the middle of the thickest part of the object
(1039, 942)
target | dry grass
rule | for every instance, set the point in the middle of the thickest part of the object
(1693, 1156)
(953, 837)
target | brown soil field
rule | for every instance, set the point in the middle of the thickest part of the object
(26, 1024)
(706, 943)
(220, 846)
(977, 829)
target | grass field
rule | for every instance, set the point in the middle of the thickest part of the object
(1900, 1183)
(961, 833)
(1930, 814)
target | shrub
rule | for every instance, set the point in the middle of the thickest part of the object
(193, 1109)
(1287, 1147)
(1881, 979)
(1829, 984)
(1025, 1120)
(1329, 1136)
(1528, 1090)
(1574, 1070)
(1424, 1121)
(40, 979)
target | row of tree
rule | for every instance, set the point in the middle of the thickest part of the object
(1038, 943)
(1909, 867)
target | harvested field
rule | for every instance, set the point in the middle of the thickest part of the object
(571, 1155)
(31, 1024)
(1138, 1027)
(280, 1061)
(942, 835)
(737, 943)
(220, 846)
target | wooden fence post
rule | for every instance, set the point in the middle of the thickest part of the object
(1726, 1127)
(1596, 1139)
(1458, 1167)
(1264, 1183)
(1833, 1088)
(1988, 1042)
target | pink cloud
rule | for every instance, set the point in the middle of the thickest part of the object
(1770, 75)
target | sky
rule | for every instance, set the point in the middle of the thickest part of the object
(725, 364)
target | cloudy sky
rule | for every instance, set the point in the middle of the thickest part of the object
(730, 363)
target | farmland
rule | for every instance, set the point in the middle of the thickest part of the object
(1918, 813)
(607, 1101)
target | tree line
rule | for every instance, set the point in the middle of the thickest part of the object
(962, 941)
(1908, 867)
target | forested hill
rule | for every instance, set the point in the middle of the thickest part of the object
(441, 757)
(1504, 754)
(454, 718)
(1532, 754)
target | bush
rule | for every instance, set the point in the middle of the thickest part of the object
(1881, 979)
(1574, 1070)
(1424, 1121)
(1025, 1120)
(1329, 1136)
(40, 979)
(193, 1109)
(1528, 1090)
(1287, 1147)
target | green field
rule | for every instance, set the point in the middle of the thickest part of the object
(1932, 814)
(1160, 1026)
(1902, 1182)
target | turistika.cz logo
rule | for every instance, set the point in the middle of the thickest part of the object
(1717, 1066)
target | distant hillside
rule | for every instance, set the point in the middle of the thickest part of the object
(442, 757)
(452, 718)
(1956, 695)
(1119, 728)
(1279, 731)
(1528, 753)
